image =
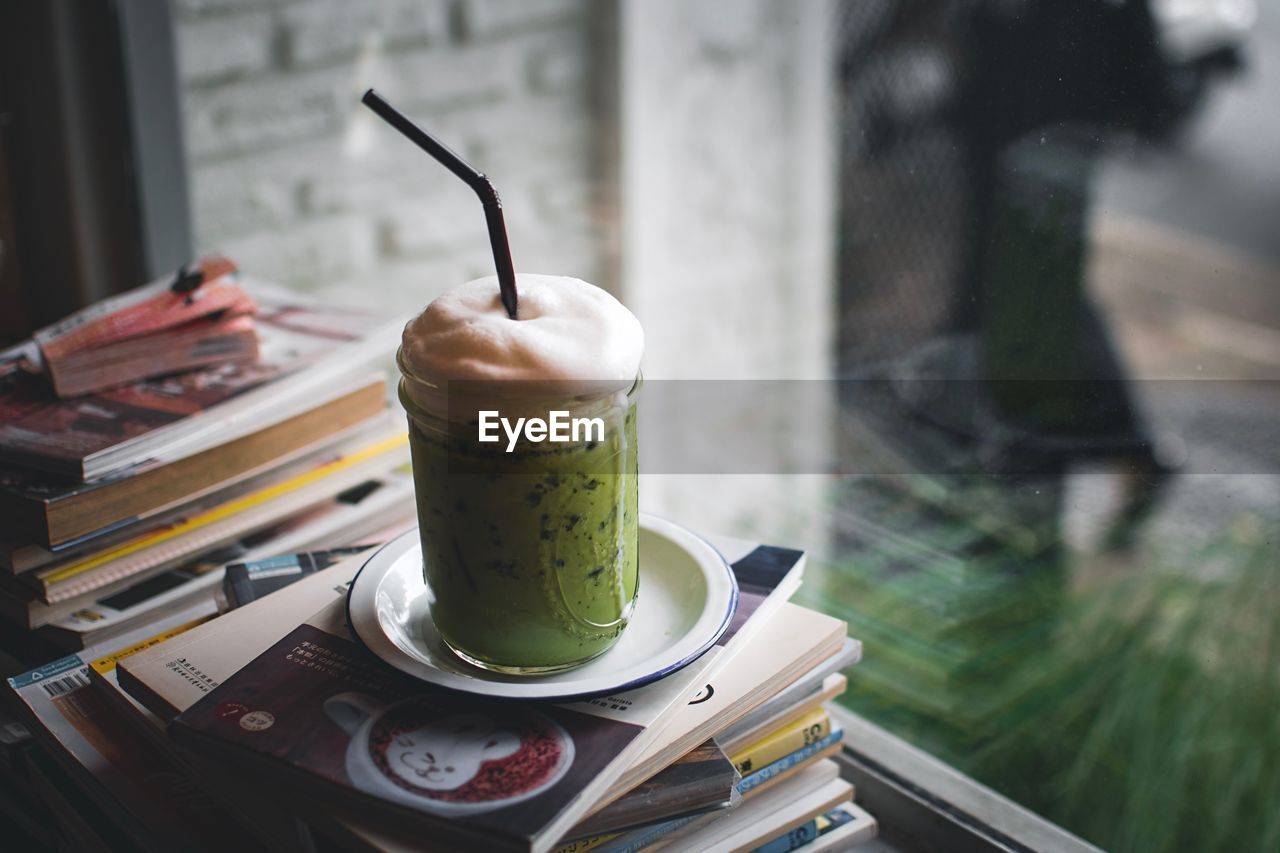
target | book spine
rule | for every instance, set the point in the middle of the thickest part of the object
(809, 729)
(205, 530)
(652, 835)
(582, 845)
(792, 840)
(782, 765)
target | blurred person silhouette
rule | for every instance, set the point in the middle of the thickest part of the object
(1026, 93)
(1048, 83)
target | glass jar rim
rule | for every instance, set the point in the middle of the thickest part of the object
(539, 396)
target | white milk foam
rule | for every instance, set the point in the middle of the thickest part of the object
(571, 338)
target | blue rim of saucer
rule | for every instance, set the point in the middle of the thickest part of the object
(482, 674)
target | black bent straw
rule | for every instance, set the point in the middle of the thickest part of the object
(474, 179)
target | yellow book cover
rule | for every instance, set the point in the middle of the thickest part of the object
(106, 664)
(778, 744)
(582, 845)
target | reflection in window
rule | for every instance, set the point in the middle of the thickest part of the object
(1067, 585)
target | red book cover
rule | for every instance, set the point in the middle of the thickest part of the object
(39, 431)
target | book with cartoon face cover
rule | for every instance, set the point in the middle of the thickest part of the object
(340, 731)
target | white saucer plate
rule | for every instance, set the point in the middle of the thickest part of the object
(687, 597)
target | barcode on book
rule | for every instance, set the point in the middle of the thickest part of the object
(66, 684)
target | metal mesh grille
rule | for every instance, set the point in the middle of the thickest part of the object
(963, 209)
(905, 233)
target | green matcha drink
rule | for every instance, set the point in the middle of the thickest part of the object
(529, 536)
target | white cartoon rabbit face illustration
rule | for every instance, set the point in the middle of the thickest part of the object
(450, 761)
(447, 753)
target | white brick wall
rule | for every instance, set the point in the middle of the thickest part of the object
(336, 30)
(226, 47)
(297, 181)
(487, 18)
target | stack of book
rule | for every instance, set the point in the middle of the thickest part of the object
(271, 726)
(120, 506)
(175, 552)
(201, 316)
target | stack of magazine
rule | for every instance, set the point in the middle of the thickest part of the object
(175, 555)
(269, 726)
(120, 507)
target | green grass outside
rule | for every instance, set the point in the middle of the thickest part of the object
(1141, 712)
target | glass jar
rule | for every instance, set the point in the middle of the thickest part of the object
(529, 551)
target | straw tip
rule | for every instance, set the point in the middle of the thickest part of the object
(370, 95)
